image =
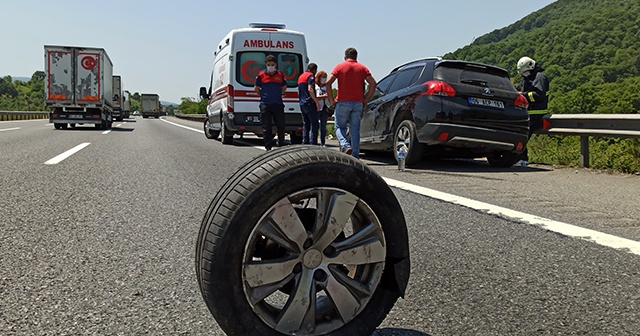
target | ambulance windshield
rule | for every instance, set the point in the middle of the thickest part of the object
(250, 63)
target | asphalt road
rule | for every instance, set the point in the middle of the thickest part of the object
(102, 243)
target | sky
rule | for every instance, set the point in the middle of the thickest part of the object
(166, 47)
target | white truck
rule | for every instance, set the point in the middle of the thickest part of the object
(118, 98)
(78, 86)
(233, 105)
(126, 107)
(150, 105)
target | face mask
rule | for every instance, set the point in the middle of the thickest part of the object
(526, 74)
(323, 80)
(271, 68)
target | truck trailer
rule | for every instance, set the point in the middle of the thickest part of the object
(78, 86)
(118, 98)
(150, 105)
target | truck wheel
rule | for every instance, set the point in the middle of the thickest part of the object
(502, 159)
(279, 253)
(227, 135)
(208, 132)
(98, 126)
(406, 133)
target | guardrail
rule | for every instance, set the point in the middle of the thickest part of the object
(23, 115)
(586, 125)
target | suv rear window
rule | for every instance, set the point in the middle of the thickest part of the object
(250, 63)
(470, 74)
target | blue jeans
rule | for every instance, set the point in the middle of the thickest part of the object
(310, 124)
(323, 124)
(351, 112)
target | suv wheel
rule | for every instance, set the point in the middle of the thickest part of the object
(406, 133)
(502, 159)
(281, 254)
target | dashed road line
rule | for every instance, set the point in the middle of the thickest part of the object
(65, 155)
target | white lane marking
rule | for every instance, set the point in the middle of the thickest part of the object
(10, 129)
(48, 125)
(183, 126)
(106, 132)
(67, 154)
(551, 225)
(118, 125)
(202, 132)
(18, 121)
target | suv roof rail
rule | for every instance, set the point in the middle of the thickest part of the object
(267, 25)
(414, 62)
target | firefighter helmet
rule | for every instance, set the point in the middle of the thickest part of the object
(526, 64)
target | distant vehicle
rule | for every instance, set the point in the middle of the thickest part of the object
(136, 113)
(118, 98)
(233, 104)
(78, 86)
(126, 107)
(150, 105)
(447, 108)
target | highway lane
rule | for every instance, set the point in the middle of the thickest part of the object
(112, 252)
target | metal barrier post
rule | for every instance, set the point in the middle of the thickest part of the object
(584, 151)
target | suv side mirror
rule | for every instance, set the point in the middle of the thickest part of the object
(203, 93)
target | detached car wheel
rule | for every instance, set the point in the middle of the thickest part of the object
(406, 133)
(280, 253)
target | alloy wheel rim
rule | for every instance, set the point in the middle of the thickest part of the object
(313, 261)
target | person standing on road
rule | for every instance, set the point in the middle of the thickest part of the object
(349, 104)
(271, 86)
(323, 99)
(533, 86)
(309, 105)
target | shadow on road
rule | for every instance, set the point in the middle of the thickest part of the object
(398, 332)
(448, 165)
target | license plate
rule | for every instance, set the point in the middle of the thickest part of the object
(486, 102)
(75, 116)
(252, 119)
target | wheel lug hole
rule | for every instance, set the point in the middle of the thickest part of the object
(307, 244)
(320, 275)
(329, 251)
(297, 269)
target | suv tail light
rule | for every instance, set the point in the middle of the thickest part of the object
(230, 98)
(439, 88)
(521, 101)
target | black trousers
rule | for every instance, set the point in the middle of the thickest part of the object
(535, 124)
(272, 113)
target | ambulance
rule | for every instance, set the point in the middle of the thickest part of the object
(233, 106)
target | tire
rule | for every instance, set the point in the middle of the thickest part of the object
(502, 159)
(226, 135)
(296, 139)
(63, 126)
(256, 226)
(406, 133)
(208, 132)
(98, 126)
(57, 126)
(72, 125)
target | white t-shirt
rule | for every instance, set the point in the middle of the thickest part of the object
(320, 90)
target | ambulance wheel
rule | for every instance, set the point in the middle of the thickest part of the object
(227, 135)
(208, 132)
(296, 139)
(279, 253)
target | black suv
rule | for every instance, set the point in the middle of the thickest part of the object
(447, 108)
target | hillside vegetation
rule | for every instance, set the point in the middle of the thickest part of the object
(591, 53)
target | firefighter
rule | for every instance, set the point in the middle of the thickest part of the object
(533, 86)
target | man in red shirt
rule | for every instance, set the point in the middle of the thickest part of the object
(351, 99)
